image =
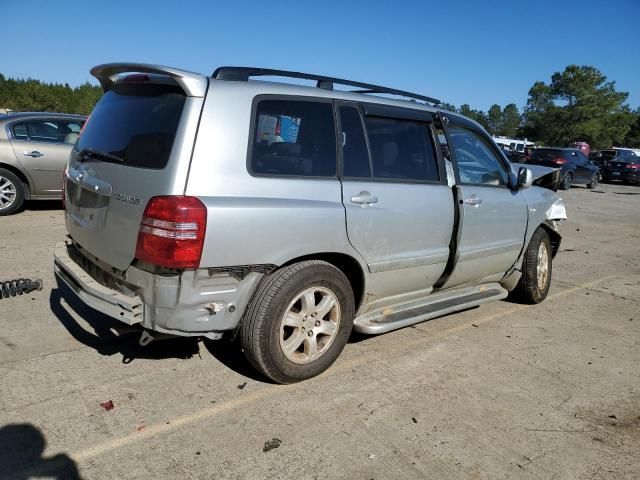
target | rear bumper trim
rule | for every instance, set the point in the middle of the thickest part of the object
(129, 310)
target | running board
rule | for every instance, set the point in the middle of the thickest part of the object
(435, 305)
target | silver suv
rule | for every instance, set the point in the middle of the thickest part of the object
(289, 216)
(34, 150)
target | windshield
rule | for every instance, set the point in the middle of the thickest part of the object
(134, 125)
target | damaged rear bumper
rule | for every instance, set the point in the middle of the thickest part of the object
(127, 309)
(203, 302)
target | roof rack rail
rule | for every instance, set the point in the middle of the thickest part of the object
(244, 73)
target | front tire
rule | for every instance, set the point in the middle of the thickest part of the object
(536, 269)
(299, 321)
(594, 181)
(11, 193)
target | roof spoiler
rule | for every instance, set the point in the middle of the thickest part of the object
(193, 84)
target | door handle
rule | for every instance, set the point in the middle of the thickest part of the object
(364, 198)
(473, 201)
(34, 154)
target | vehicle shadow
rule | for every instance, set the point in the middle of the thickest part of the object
(229, 353)
(35, 206)
(110, 337)
(21, 455)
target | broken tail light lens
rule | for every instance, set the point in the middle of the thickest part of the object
(172, 232)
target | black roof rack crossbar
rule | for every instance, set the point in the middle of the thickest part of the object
(244, 73)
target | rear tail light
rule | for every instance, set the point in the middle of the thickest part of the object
(172, 232)
(559, 161)
(633, 165)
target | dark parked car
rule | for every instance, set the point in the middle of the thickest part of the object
(620, 164)
(575, 167)
(596, 158)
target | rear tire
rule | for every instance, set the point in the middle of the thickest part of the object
(298, 322)
(594, 181)
(536, 270)
(11, 193)
(567, 181)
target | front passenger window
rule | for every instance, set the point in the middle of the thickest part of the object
(477, 163)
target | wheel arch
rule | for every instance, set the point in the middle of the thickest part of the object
(347, 264)
(554, 237)
(21, 175)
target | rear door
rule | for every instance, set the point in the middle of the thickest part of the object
(136, 145)
(42, 146)
(399, 209)
(493, 218)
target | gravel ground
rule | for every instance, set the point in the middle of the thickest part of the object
(498, 392)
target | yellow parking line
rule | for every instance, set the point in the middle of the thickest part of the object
(249, 397)
(158, 429)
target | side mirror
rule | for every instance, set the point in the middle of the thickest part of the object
(525, 178)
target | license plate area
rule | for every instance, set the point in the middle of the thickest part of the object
(88, 199)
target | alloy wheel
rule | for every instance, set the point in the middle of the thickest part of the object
(309, 325)
(8, 193)
(542, 266)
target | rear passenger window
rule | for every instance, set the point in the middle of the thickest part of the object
(20, 131)
(48, 130)
(355, 156)
(401, 149)
(294, 138)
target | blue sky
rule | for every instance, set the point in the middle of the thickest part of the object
(466, 51)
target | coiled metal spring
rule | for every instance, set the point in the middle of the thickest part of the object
(11, 288)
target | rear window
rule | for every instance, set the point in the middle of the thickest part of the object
(135, 125)
(294, 138)
(609, 154)
(546, 154)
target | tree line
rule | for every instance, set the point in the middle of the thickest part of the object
(578, 104)
(29, 95)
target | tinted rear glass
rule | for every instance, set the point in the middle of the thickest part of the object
(401, 149)
(355, 156)
(609, 154)
(294, 137)
(135, 123)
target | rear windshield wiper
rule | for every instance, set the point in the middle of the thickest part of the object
(90, 152)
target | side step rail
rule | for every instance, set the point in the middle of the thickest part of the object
(440, 304)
